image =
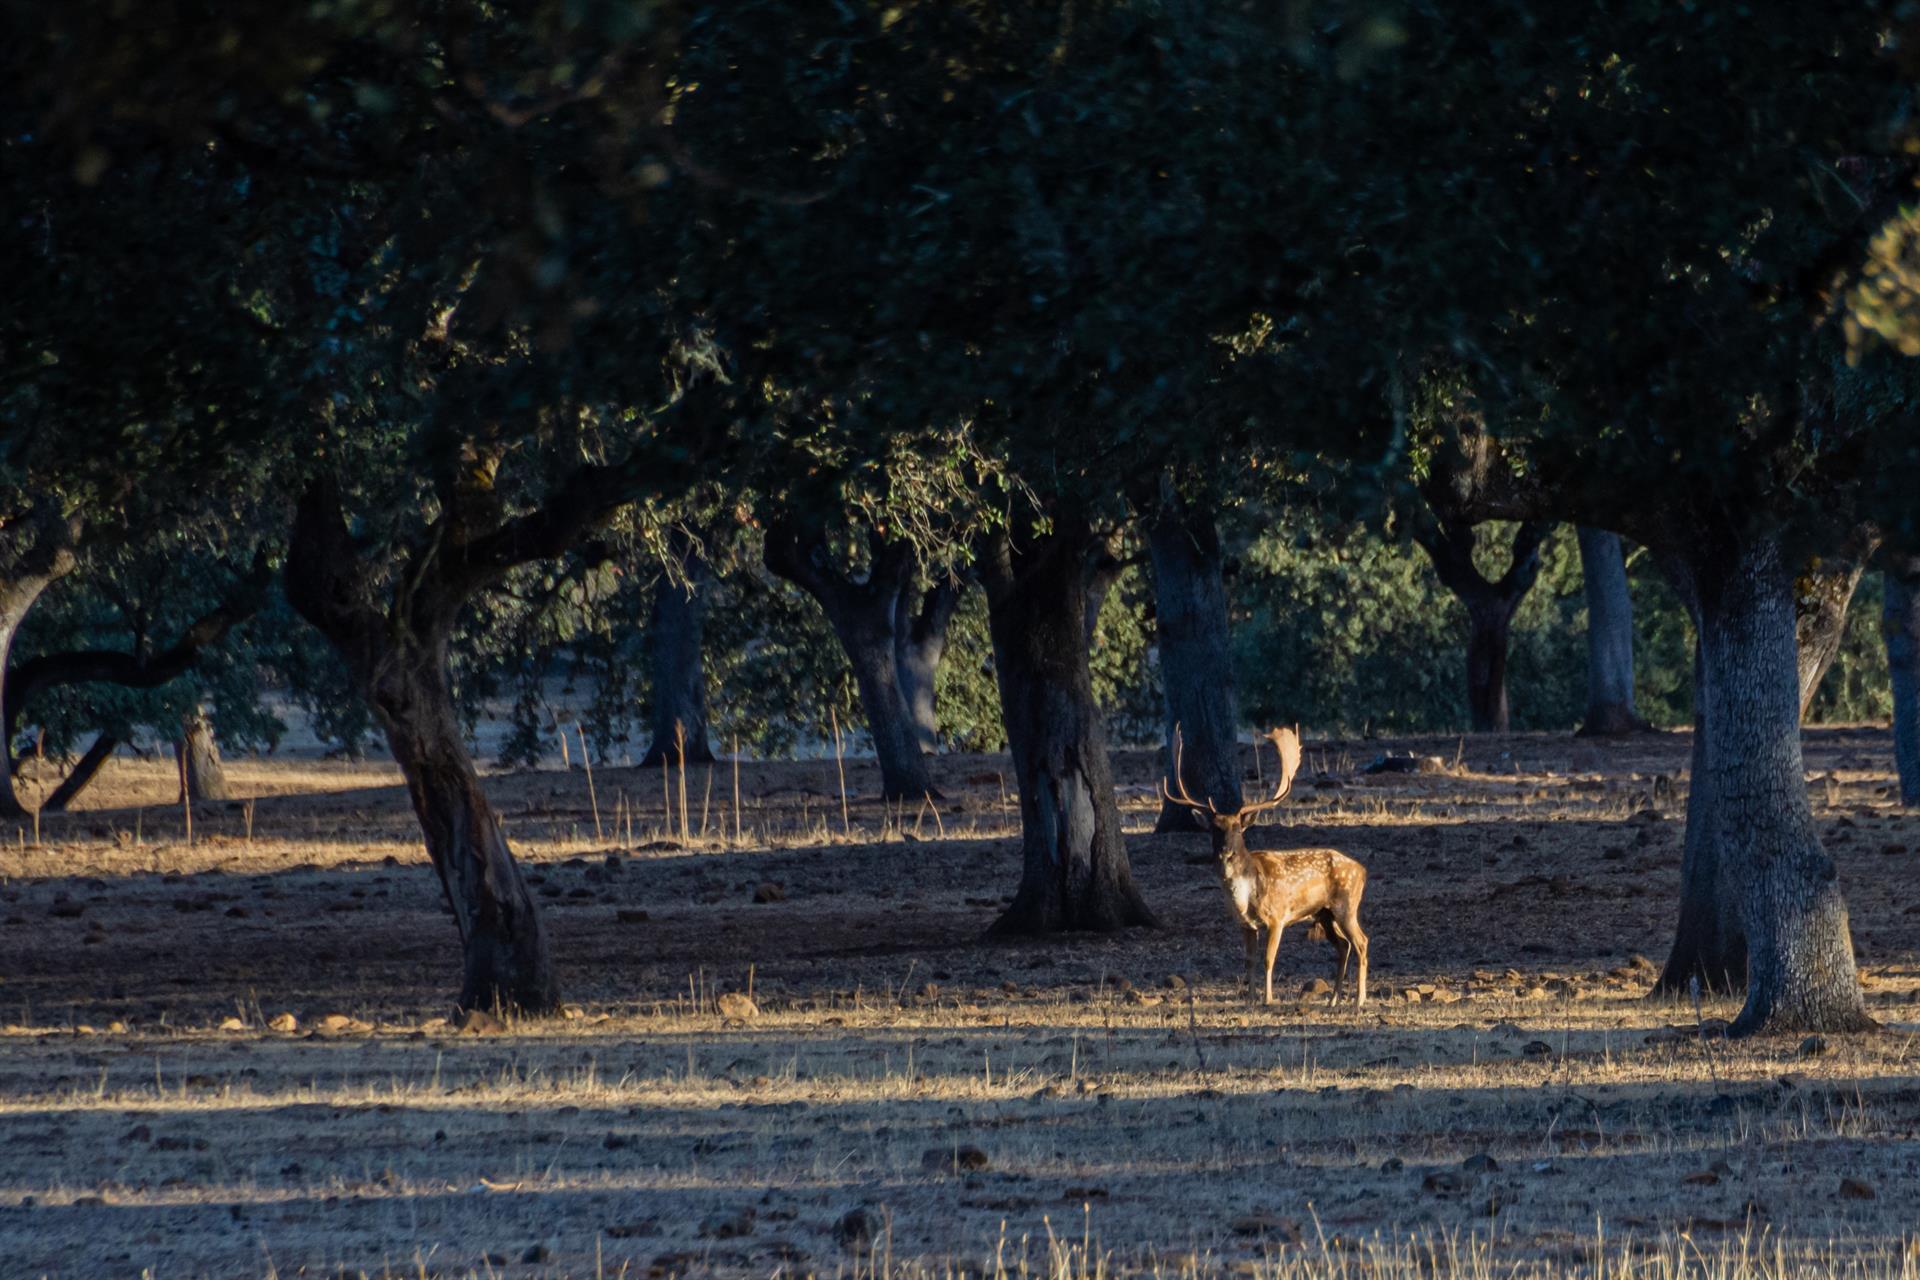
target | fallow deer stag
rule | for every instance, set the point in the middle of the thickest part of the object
(1272, 890)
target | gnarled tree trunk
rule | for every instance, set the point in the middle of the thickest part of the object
(17, 597)
(1900, 626)
(863, 615)
(398, 661)
(1103, 570)
(1821, 599)
(1766, 858)
(36, 550)
(204, 776)
(676, 658)
(920, 637)
(1196, 666)
(1490, 607)
(1603, 572)
(1075, 870)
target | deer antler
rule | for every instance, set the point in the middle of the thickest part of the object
(1287, 743)
(1181, 782)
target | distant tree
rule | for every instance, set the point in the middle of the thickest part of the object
(1900, 624)
(1610, 697)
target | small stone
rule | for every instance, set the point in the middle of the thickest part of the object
(1317, 987)
(1174, 982)
(1704, 1178)
(736, 1004)
(770, 892)
(1392, 1164)
(535, 1254)
(1855, 1189)
(231, 1023)
(1443, 1182)
(1814, 1046)
(854, 1228)
(958, 1159)
(1267, 1226)
(1480, 1162)
(284, 1022)
(1534, 993)
(335, 1022)
(1537, 1049)
(478, 1022)
(728, 1226)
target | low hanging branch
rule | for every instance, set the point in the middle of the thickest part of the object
(133, 670)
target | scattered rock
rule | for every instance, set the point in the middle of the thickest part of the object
(1444, 1182)
(1317, 987)
(284, 1022)
(1392, 1164)
(1480, 1162)
(1537, 1049)
(770, 892)
(1855, 1189)
(1394, 763)
(737, 1004)
(231, 1023)
(1175, 982)
(634, 1230)
(478, 1022)
(1704, 1178)
(535, 1254)
(1267, 1226)
(336, 1022)
(1814, 1046)
(954, 1160)
(729, 1226)
(855, 1228)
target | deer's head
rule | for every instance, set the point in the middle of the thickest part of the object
(1229, 830)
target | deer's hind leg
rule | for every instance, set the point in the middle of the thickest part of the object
(1342, 950)
(1356, 938)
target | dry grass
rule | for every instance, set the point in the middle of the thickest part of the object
(1073, 1108)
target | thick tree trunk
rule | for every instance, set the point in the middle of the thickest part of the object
(1708, 945)
(920, 638)
(36, 550)
(82, 775)
(863, 615)
(400, 666)
(873, 653)
(1075, 870)
(1196, 666)
(1900, 626)
(1490, 608)
(17, 597)
(1103, 570)
(205, 775)
(676, 659)
(1821, 599)
(1800, 966)
(1610, 701)
(506, 959)
(1489, 622)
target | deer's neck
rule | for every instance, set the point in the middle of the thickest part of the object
(1235, 863)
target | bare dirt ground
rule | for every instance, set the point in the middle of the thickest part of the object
(910, 1097)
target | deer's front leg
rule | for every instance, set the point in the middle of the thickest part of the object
(1250, 934)
(1273, 949)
